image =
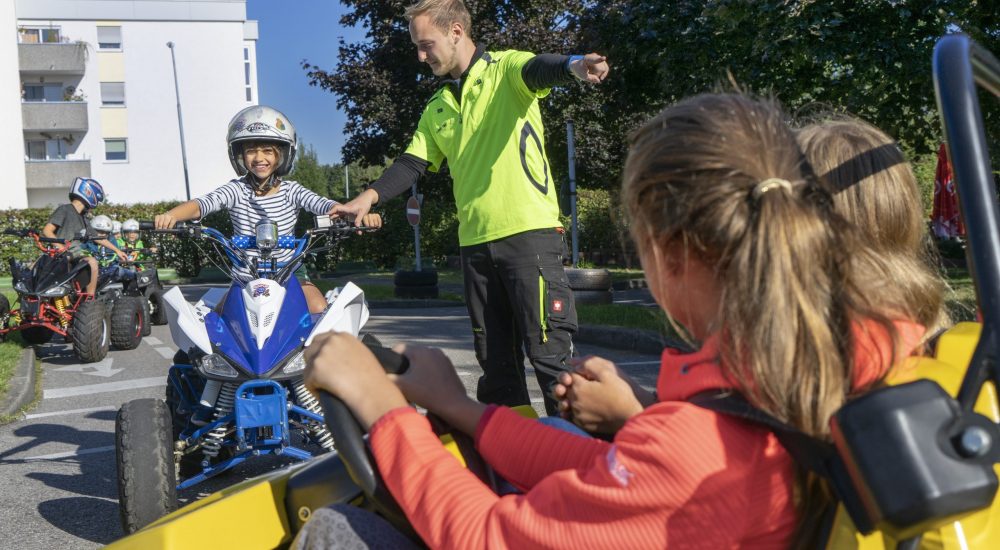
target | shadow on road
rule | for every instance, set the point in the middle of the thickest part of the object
(93, 519)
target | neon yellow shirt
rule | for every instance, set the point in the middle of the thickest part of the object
(494, 143)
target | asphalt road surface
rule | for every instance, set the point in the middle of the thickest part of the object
(58, 464)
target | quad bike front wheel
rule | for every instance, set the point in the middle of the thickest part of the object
(147, 482)
(147, 322)
(157, 312)
(90, 331)
(126, 322)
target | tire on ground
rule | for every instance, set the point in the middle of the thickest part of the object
(415, 278)
(588, 279)
(190, 463)
(157, 313)
(593, 296)
(126, 322)
(144, 455)
(419, 292)
(90, 331)
(147, 322)
(36, 336)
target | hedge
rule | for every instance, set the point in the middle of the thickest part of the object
(599, 229)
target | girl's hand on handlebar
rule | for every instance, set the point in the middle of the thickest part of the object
(164, 221)
(356, 208)
(432, 383)
(340, 364)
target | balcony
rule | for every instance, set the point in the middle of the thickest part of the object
(59, 58)
(54, 116)
(48, 174)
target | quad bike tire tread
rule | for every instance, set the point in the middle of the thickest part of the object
(125, 315)
(90, 331)
(147, 322)
(147, 485)
(158, 315)
(190, 464)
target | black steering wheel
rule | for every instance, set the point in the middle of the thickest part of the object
(349, 440)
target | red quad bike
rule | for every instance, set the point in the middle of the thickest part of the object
(52, 300)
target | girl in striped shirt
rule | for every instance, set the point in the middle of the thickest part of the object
(262, 144)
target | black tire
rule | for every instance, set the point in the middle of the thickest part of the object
(147, 322)
(588, 279)
(157, 313)
(415, 278)
(147, 483)
(126, 323)
(190, 463)
(416, 292)
(91, 331)
(593, 297)
(36, 336)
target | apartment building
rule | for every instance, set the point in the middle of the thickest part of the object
(94, 95)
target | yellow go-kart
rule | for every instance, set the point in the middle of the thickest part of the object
(914, 465)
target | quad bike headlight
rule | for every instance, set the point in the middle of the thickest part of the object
(20, 286)
(217, 365)
(56, 291)
(296, 364)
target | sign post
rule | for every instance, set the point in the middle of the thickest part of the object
(413, 216)
(571, 151)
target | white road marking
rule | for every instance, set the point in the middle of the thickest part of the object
(639, 363)
(101, 368)
(167, 353)
(73, 411)
(106, 387)
(154, 341)
(71, 454)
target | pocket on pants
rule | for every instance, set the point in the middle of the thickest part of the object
(557, 309)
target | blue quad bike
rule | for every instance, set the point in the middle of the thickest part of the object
(235, 390)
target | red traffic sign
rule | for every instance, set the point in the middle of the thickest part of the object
(413, 211)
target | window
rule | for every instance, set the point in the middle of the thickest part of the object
(115, 149)
(50, 91)
(46, 149)
(37, 35)
(109, 38)
(246, 72)
(112, 93)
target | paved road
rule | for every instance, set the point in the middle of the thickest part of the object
(58, 464)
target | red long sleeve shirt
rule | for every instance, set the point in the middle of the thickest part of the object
(676, 475)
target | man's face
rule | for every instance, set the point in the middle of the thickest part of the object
(131, 236)
(261, 159)
(434, 47)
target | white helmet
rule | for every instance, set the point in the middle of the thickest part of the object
(116, 227)
(102, 223)
(130, 224)
(260, 123)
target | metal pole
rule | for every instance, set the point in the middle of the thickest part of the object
(180, 123)
(571, 150)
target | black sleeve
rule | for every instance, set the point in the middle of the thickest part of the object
(399, 177)
(545, 71)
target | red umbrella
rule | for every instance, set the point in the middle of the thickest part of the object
(945, 219)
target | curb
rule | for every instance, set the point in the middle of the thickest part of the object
(21, 390)
(629, 339)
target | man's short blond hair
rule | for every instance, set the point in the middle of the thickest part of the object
(442, 13)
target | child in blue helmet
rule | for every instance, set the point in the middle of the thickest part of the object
(68, 222)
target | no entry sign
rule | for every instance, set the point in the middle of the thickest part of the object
(413, 211)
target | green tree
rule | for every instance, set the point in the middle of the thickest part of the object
(309, 173)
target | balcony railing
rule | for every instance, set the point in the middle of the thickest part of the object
(62, 58)
(48, 174)
(52, 116)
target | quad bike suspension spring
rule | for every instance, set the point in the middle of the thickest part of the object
(223, 406)
(61, 304)
(308, 402)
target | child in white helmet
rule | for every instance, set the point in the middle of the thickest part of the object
(68, 222)
(130, 242)
(261, 144)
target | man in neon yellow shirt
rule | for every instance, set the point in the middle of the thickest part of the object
(485, 122)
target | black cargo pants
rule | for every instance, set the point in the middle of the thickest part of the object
(520, 302)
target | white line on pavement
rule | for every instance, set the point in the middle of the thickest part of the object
(153, 341)
(106, 387)
(167, 353)
(639, 363)
(71, 454)
(74, 411)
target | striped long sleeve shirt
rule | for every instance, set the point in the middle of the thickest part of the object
(246, 209)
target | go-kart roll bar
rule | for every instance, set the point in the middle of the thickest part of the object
(959, 64)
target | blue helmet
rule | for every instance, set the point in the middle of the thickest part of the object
(87, 190)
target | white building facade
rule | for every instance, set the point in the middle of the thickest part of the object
(97, 95)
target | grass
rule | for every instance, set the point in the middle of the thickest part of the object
(961, 295)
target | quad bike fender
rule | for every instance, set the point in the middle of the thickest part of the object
(348, 313)
(953, 354)
(187, 326)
